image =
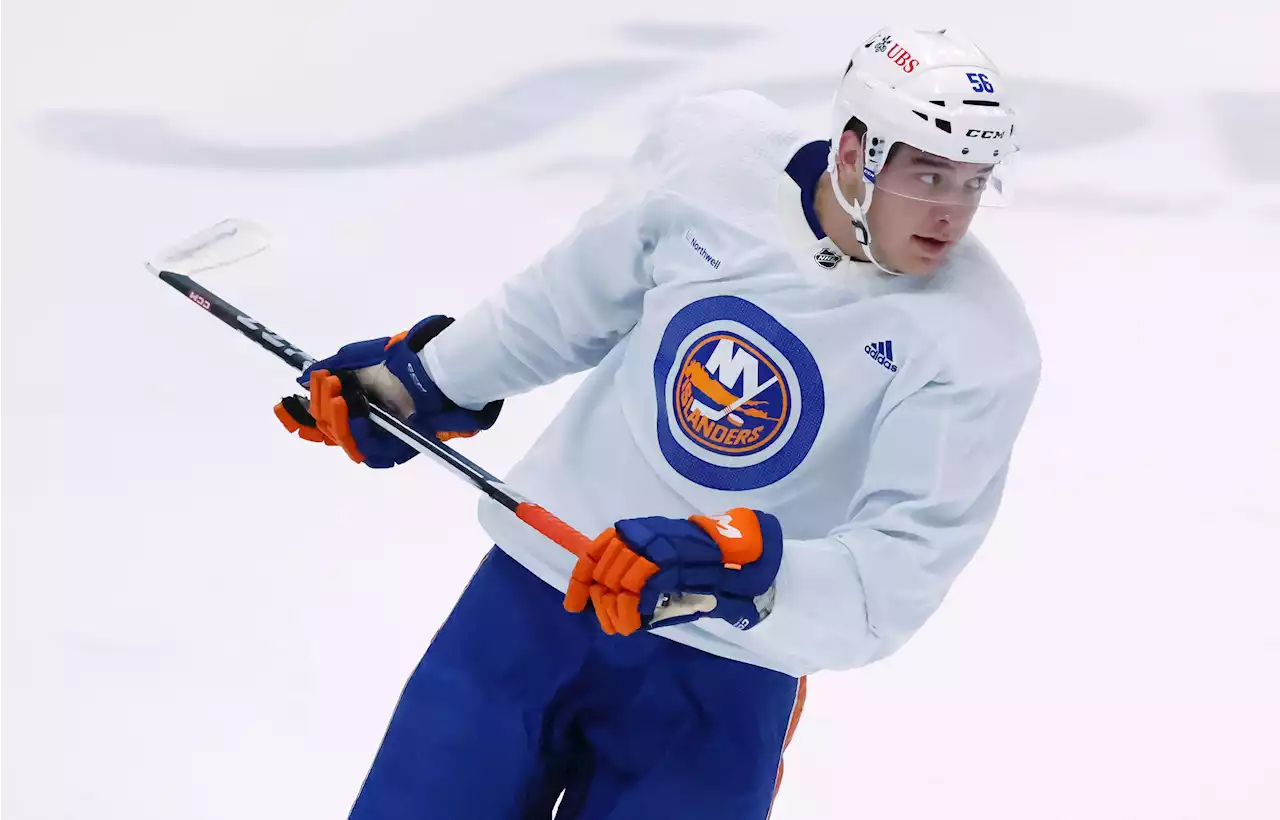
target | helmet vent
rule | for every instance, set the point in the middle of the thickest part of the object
(924, 117)
(988, 103)
(939, 103)
(943, 125)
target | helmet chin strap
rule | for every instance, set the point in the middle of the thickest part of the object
(857, 212)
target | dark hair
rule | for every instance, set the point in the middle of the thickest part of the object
(859, 128)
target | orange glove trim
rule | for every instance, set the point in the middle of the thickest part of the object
(580, 581)
(610, 575)
(304, 432)
(330, 411)
(737, 532)
(289, 422)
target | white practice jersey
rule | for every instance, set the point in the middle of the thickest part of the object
(741, 361)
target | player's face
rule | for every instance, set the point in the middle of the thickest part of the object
(923, 205)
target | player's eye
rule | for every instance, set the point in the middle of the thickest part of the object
(979, 183)
(930, 179)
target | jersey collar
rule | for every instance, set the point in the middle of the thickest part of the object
(812, 249)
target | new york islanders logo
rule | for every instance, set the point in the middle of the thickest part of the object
(730, 396)
(740, 398)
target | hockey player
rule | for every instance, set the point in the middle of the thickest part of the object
(808, 380)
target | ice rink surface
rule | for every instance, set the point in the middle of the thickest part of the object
(204, 618)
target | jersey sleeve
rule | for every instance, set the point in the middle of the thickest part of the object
(563, 313)
(931, 490)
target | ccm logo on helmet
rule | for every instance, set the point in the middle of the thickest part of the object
(986, 135)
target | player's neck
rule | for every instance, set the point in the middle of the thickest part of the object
(834, 221)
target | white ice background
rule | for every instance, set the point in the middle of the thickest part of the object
(205, 618)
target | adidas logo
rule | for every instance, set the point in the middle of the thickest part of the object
(882, 352)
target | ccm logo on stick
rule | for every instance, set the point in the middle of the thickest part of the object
(199, 300)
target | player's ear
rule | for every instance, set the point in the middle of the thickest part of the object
(850, 155)
(849, 160)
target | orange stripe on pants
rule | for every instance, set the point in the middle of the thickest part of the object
(796, 709)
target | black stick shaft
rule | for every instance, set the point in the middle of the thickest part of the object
(231, 315)
(298, 359)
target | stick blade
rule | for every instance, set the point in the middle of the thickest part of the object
(229, 241)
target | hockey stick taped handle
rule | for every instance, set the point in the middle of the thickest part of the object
(552, 527)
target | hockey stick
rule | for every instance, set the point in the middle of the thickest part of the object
(232, 240)
(235, 239)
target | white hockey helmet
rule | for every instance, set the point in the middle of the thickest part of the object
(935, 91)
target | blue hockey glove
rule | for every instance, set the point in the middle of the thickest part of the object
(642, 564)
(390, 371)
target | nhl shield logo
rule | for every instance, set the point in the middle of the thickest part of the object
(827, 258)
(740, 398)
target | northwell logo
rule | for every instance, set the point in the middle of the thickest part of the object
(697, 246)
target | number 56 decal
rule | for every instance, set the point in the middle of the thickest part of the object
(980, 82)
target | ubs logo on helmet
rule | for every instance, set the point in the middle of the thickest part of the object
(896, 53)
(902, 58)
(739, 397)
